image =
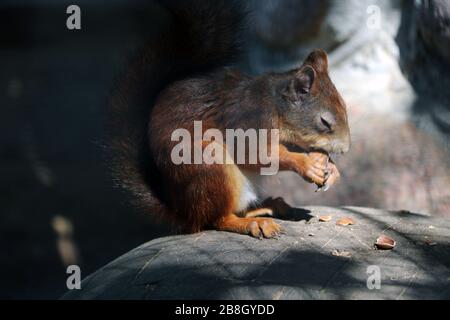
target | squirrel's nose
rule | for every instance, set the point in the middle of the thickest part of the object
(327, 122)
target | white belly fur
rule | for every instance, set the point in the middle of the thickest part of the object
(248, 195)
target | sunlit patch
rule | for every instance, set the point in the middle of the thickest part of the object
(67, 248)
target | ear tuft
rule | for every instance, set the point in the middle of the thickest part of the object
(318, 60)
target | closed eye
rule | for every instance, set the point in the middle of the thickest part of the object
(326, 123)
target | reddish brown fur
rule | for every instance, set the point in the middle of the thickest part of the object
(201, 196)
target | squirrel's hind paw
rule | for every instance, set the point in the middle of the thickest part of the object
(256, 227)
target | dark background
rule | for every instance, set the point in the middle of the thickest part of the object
(55, 85)
(57, 201)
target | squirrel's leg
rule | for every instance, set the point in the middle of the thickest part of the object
(241, 198)
(256, 227)
(312, 167)
(259, 212)
(274, 207)
(278, 206)
(213, 195)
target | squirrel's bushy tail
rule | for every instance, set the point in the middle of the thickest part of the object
(199, 36)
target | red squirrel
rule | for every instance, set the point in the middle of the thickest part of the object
(186, 74)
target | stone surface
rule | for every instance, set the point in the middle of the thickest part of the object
(283, 32)
(311, 260)
(424, 43)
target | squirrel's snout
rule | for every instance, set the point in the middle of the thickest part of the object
(346, 147)
(336, 132)
(339, 144)
(343, 145)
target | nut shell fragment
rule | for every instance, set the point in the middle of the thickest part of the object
(385, 243)
(345, 221)
(325, 218)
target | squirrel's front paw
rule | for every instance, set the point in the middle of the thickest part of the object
(314, 168)
(333, 177)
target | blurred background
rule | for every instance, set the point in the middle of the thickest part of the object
(389, 59)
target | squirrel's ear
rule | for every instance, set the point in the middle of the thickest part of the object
(304, 79)
(318, 60)
(301, 84)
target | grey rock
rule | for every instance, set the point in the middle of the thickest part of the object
(424, 43)
(287, 30)
(221, 265)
